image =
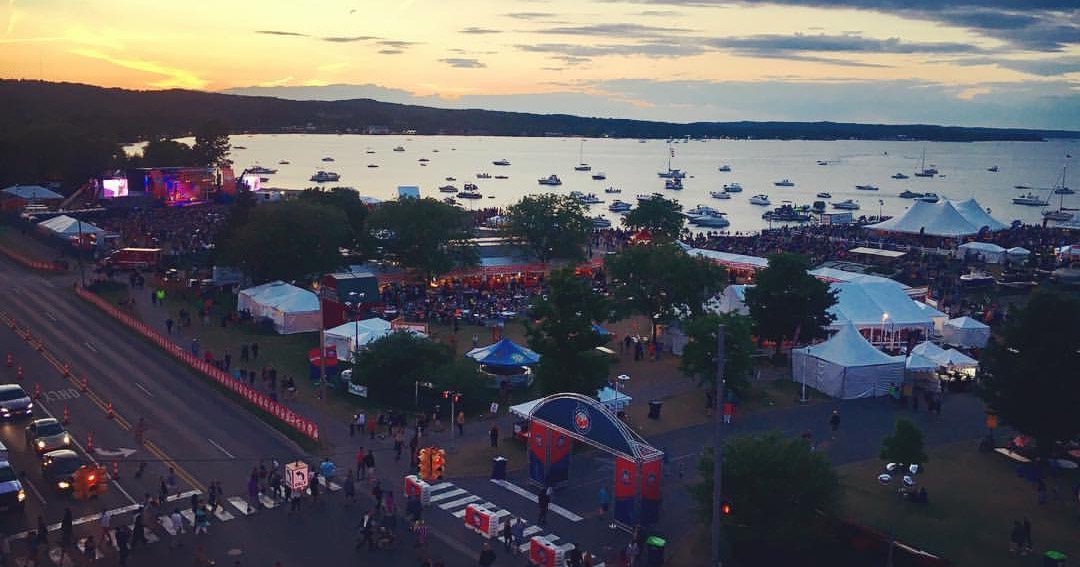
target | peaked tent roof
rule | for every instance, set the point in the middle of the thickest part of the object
(957, 359)
(849, 348)
(30, 192)
(917, 362)
(504, 353)
(966, 322)
(982, 247)
(929, 350)
(944, 218)
(865, 303)
(69, 226)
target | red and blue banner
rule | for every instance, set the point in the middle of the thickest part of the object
(558, 472)
(626, 491)
(539, 439)
(651, 477)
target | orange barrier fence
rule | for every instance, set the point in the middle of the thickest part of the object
(39, 265)
(260, 400)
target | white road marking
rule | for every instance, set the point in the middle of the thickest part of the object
(145, 391)
(459, 514)
(447, 494)
(90, 346)
(51, 317)
(532, 530)
(37, 493)
(188, 515)
(459, 502)
(220, 448)
(223, 515)
(441, 486)
(181, 496)
(267, 502)
(241, 505)
(529, 495)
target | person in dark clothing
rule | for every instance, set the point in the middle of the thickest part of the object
(66, 529)
(123, 550)
(487, 556)
(834, 422)
(493, 434)
(544, 499)
(1027, 544)
(138, 531)
(255, 351)
(507, 534)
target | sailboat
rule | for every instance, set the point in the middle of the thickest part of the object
(582, 166)
(923, 170)
(1062, 214)
(671, 173)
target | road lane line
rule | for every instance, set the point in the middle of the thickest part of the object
(90, 346)
(51, 317)
(27, 482)
(145, 391)
(220, 448)
(529, 495)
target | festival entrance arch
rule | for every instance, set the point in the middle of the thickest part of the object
(559, 419)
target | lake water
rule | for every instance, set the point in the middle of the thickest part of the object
(632, 166)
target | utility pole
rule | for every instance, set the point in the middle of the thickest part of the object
(718, 449)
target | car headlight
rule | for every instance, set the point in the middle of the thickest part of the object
(63, 484)
(29, 406)
(40, 444)
(22, 495)
(67, 439)
(5, 411)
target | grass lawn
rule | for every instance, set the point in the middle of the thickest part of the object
(974, 499)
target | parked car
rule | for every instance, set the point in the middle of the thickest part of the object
(58, 467)
(14, 402)
(47, 435)
(12, 494)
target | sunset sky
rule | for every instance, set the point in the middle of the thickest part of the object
(993, 63)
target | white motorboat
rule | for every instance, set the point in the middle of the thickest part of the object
(451, 179)
(471, 194)
(899, 175)
(612, 190)
(719, 194)
(699, 210)
(399, 149)
(824, 195)
(550, 180)
(992, 169)
(601, 222)
(260, 170)
(1030, 200)
(618, 206)
(784, 183)
(867, 187)
(928, 198)
(501, 162)
(715, 219)
(483, 175)
(649, 196)
(724, 168)
(760, 200)
(328, 158)
(1063, 190)
(846, 205)
(590, 199)
(909, 194)
(448, 189)
(732, 187)
(325, 176)
(674, 184)
(599, 176)
(502, 177)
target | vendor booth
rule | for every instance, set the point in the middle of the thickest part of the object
(984, 251)
(69, 228)
(966, 332)
(881, 310)
(847, 366)
(289, 308)
(505, 361)
(356, 335)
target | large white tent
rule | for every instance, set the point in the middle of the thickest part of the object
(937, 317)
(966, 332)
(731, 300)
(944, 218)
(847, 367)
(351, 335)
(990, 253)
(877, 305)
(292, 309)
(69, 227)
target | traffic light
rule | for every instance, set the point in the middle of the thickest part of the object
(438, 463)
(726, 509)
(424, 459)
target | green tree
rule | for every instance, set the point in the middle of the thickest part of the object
(167, 153)
(292, 240)
(33, 152)
(549, 226)
(1030, 374)
(564, 336)
(212, 146)
(356, 212)
(785, 298)
(779, 490)
(659, 280)
(427, 235)
(661, 217)
(905, 445)
(699, 355)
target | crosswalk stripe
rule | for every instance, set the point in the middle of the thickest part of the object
(223, 515)
(167, 524)
(530, 496)
(189, 516)
(459, 502)
(267, 502)
(241, 505)
(532, 530)
(181, 496)
(459, 514)
(82, 549)
(151, 537)
(329, 484)
(447, 494)
(441, 486)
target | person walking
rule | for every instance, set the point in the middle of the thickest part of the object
(122, 537)
(105, 527)
(507, 534)
(399, 443)
(729, 411)
(543, 500)
(361, 468)
(202, 521)
(834, 422)
(66, 529)
(367, 531)
(605, 500)
(1027, 544)
(519, 534)
(350, 489)
(369, 465)
(89, 551)
(1016, 537)
(177, 522)
(138, 531)
(460, 423)
(487, 556)
(493, 435)
(421, 531)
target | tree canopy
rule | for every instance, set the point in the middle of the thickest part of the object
(162, 152)
(786, 299)
(777, 488)
(1030, 375)
(564, 336)
(356, 213)
(905, 445)
(661, 217)
(549, 226)
(427, 235)
(699, 355)
(290, 240)
(659, 280)
(212, 146)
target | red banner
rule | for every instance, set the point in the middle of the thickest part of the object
(651, 472)
(538, 441)
(625, 478)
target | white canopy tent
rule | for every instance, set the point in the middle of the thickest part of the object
(944, 218)
(1018, 253)
(880, 307)
(936, 317)
(966, 332)
(929, 350)
(731, 300)
(68, 227)
(349, 336)
(292, 309)
(955, 359)
(990, 253)
(847, 367)
(920, 363)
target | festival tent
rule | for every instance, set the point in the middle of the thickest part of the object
(1018, 253)
(991, 253)
(944, 218)
(847, 367)
(351, 335)
(919, 363)
(966, 332)
(877, 305)
(68, 227)
(32, 193)
(953, 358)
(734, 261)
(929, 350)
(292, 309)
(503, 353)
(835, 275)
(937, 317)
(731, 300)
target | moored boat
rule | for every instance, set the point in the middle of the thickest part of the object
(846, 205)
(550, 180)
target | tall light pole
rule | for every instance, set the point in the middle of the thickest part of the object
(454, 398)
(718, 449)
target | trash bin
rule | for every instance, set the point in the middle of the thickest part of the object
(654, 409)
(498, 468)
(1054, 559)
(654, 551)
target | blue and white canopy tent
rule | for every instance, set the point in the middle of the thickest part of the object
(505, 361)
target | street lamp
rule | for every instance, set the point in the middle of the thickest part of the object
(353, 307)
(906, 474)
(454, 398)
(884, 319)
